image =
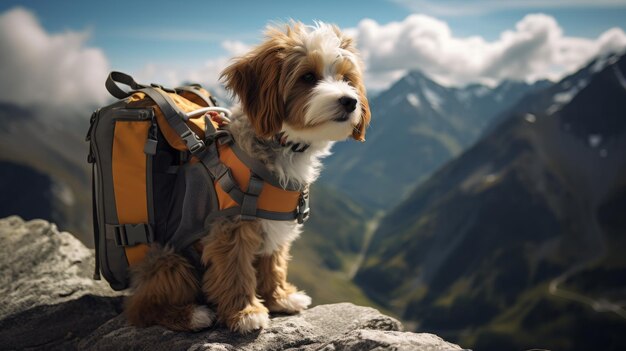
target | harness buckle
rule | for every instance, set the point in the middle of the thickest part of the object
(223, 136)
(303, 211)
(194, 144)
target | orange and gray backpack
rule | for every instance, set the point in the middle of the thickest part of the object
(164, 166)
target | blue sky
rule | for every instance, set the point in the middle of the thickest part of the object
(133, 32)
(69, 46)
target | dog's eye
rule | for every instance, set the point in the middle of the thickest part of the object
(346, 79)
(309, 78)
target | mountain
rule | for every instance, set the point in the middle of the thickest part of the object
(43, 166)
(518, 243)
(417, 126)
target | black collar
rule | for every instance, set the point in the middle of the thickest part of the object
(281, 140)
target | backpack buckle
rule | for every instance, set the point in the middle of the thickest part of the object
(130, 234)
(194, 144)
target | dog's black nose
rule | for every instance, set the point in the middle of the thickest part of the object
(348, 103)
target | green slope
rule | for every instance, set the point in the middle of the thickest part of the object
(324, 255)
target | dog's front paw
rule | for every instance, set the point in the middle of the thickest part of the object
(292, 303)
(201, 318)
(250, 319)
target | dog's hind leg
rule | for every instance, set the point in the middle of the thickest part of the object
(272, 285)
(230, 279)
(166, 292)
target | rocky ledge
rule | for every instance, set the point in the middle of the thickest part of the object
(50, 302)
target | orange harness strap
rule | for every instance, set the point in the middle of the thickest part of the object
(271, 198)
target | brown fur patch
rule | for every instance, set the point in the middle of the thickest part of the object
(165, 291)
(272, 282)
(230, 278)
(354, 75)
(359, 131)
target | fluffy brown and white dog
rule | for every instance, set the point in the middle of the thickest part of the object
(303, 83)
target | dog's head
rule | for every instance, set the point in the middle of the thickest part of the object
(305, 81)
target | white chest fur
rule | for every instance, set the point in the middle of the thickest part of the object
(276, 234)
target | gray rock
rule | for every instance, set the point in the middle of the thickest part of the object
(52, 303)
(42, 266)
(388, 340)
(61, 326)
(337, 327)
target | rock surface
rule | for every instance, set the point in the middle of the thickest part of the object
(50, 302)
(42, 266)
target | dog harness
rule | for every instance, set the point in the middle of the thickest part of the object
(243, 185)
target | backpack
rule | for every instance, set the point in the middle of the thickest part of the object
(163, 167)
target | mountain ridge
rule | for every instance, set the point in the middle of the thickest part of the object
(422, 125)
(483, 241)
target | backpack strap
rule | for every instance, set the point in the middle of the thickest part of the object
(119, 77)
(193, 89)
(175, 117)
(94, 218)
(259, 168)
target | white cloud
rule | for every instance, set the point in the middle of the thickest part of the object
(207, 74)
(536, 48)
(480, 7)
(38, 68)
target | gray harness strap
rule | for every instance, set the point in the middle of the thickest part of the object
(258, 173)
(259, 168)
(194, 90)
(251, 197)
(175, 118)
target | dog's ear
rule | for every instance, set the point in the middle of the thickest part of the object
(347, 43)
(254, 78)
(358, 133)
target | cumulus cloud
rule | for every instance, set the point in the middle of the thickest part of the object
(44, 69)
(535, 49)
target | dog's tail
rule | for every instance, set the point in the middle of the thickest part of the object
(166, 292)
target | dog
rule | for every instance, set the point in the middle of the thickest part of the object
(302, 85)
